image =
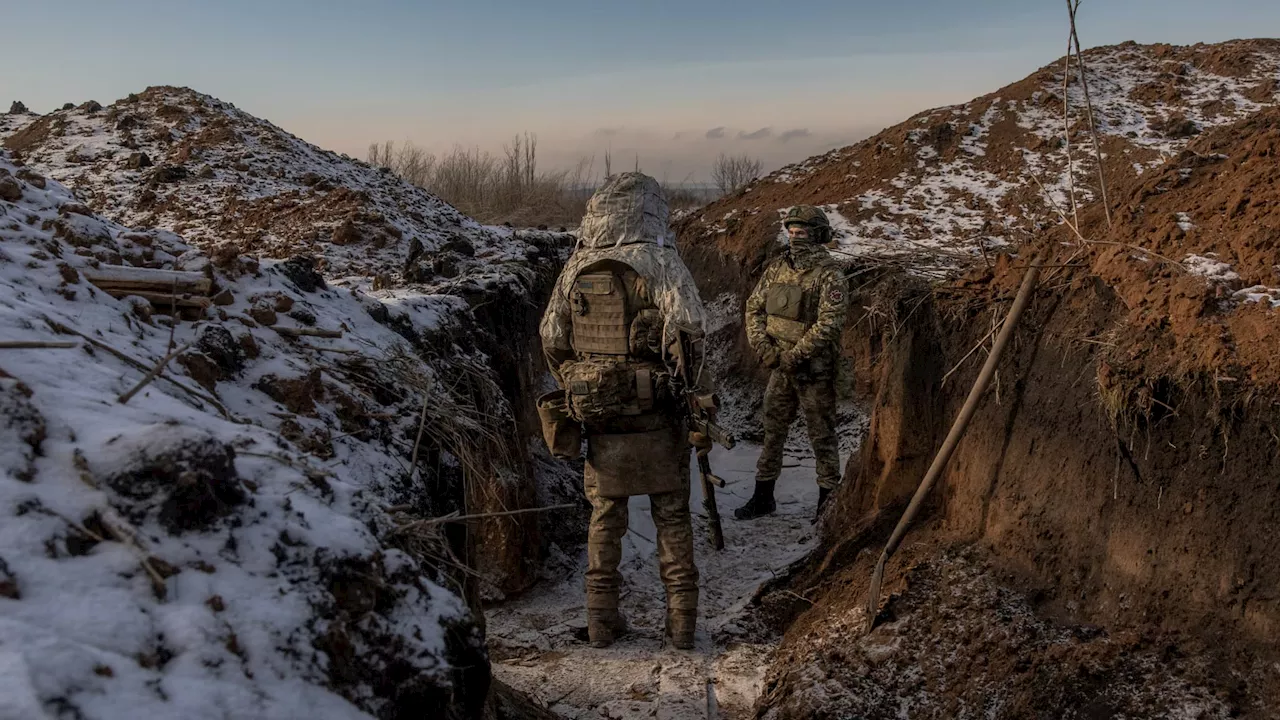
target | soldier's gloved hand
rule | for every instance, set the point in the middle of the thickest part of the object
(769, 356)
(789, 362)
(699, 440)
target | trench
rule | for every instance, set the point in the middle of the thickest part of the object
(537, 643)
(1065, 566)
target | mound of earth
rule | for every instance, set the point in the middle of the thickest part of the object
(223, 540)
(232, 183)
(1099, 545)
(355, 324)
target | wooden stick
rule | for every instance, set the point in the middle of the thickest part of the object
(981, 342)
(953, 438)
(1066, 132)
(32, 344)
(422, 424)
(125, 276)
(155, 371)
(1072, 7)
(59, 327)
(161, 298)
(460, 518)
(306, 332)
(126, 535)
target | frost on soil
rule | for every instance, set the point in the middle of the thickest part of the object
(961, 645)
(173, 557)
(538, 642)
(940, 192)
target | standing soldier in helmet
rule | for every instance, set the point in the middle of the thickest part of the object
(608, 333)
(794, 320)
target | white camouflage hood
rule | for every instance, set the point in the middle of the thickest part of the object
(626, 221)
(629, 208)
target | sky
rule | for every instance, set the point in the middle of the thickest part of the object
(669, 84)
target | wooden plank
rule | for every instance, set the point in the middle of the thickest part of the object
(307, 332)
(162, 300)
(124, 276)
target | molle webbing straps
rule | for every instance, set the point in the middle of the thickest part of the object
(600, 322)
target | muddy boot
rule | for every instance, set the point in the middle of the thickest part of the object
(761, 502)
(823, 494)
(680, 626)
(605, 626)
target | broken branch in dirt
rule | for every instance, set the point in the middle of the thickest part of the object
(35, 344)
(65, 329)
(150, 376)
(306, 332)
(454, 517)
(1072, 7)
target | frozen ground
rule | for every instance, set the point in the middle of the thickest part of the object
(538, 642)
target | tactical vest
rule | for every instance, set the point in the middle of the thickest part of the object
(789, 313)
(617, 371)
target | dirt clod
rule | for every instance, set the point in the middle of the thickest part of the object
(22, 428)
(8, 582)
(10, 189)
(301, 271)
(186, 486)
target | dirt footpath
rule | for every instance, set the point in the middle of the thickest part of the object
(538, 643)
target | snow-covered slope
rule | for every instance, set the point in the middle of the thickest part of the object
(937, 191)
(232, 183)
(222, 551)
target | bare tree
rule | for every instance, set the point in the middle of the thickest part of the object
(732, 173)
(410, 162)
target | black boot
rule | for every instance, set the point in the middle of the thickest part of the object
(823, 494)
(761, 502)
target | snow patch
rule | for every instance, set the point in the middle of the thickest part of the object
(1210, 267)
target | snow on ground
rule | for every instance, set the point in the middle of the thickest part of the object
(1210, 268)
(220, 176)
(122, 595)
(959, 192)
(1259, 294)
(538, 641)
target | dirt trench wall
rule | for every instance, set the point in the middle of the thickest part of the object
(1166, 522)
(508, 550)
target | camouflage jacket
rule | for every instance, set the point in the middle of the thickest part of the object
(800, 305)
(627, 222)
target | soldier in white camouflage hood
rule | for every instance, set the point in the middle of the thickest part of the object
(607, 334)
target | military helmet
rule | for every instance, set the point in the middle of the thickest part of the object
(814, 218)
(806, 215)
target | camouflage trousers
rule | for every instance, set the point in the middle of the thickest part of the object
(784, 396)
(671, 517)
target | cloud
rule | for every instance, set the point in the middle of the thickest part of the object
(716, 133)
(760, 134)
(794, 134)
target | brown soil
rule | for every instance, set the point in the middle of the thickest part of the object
(1114, 493)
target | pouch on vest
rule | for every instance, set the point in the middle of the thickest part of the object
(603, 388)
(784, 301)
(561, 432)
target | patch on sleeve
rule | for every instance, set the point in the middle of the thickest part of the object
(836, 296)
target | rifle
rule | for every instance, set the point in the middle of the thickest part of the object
(699, 413)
